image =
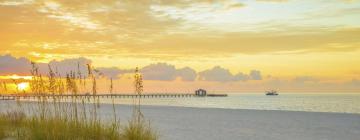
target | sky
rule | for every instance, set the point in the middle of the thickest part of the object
(182, 45)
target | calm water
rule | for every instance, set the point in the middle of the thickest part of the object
(344, 103)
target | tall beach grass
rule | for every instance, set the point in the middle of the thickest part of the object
(75, 118)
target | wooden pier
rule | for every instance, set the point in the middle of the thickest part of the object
(7, 97)
(150, 95)
(29, 96)
(217, 95)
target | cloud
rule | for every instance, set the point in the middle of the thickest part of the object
(113, 72)
(22, 66)
(216, 74)
(67, 65)
(73, 23)
(186, 74)
(159, 71)
(242, 77)
(220, 74)
(14, 3)
(167, 72)
(255, 75)
(163, 73)
(56, 11)
(80, 64)
(10, 65)
(66, 29)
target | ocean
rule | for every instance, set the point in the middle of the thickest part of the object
(311, 102)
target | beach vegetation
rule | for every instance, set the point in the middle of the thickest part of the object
(53, 117)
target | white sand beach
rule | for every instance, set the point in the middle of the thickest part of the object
(182, 123)
(186, 123)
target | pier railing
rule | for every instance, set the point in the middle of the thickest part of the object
(148, 95)
(155, 95)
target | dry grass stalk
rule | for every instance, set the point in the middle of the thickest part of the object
(4, 87)
(138, 84)
(111, 86)
(71, 120)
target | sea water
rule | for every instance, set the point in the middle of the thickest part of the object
(313, 102)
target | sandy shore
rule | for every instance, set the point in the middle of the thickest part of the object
(181, 123)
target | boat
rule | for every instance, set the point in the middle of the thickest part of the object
(271, 93)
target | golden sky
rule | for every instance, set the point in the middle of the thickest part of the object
(314, 40)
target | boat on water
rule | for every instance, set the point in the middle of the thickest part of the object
(271, 93)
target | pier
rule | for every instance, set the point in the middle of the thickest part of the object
(6, 97)
(150, 95)
(217, 95)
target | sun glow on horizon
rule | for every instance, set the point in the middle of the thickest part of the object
(15, 77)
(23, 86)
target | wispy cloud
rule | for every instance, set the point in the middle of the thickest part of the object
(196, 33)
(57, 11)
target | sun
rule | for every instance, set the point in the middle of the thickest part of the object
(23, 85)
